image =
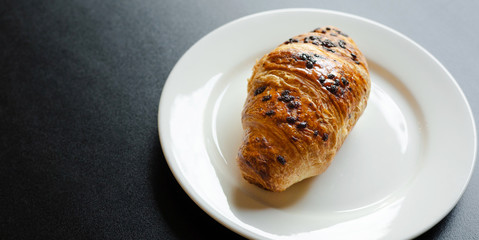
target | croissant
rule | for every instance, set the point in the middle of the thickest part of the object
(303, 99)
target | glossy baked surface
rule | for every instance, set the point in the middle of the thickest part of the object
(303, 99)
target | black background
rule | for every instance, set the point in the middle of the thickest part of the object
(80, 83)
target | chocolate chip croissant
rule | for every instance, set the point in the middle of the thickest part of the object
(303, 99)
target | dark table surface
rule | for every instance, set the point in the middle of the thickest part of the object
(80, 83)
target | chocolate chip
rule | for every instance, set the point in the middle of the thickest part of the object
(285, 92)
(321, 79)
(259, 90)
(332, 89)
(328, 49)
(291, 40)
(304, 56)
(293, 104)
(302, 125)
(309, 64)
(286, 98)
(327, 43)
(290, 119)
(325, 137)
(342, 43)
(267, 97)
(316, 133)
(331, 76)
(270, 112)
(344, 81)
(281, 159)
(353, 56)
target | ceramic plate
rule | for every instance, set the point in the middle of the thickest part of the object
(400, 171)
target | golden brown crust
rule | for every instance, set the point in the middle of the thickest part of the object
(303, 99)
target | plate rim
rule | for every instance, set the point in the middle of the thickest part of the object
(233, 226)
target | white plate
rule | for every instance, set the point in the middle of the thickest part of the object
(401, 170)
